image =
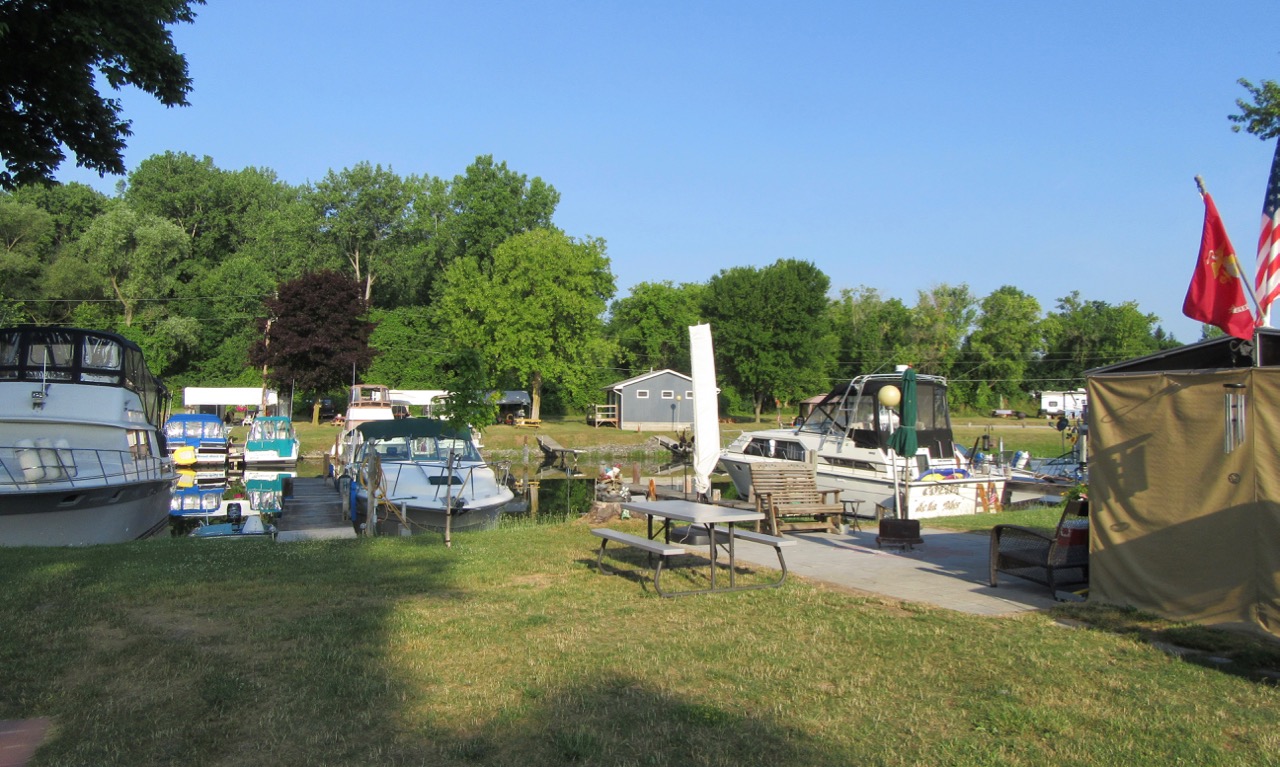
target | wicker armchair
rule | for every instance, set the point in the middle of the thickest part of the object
(1053, 560)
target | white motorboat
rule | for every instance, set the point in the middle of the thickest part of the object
(271, 442)
(427, 470)
(81, 456)
(846, 438)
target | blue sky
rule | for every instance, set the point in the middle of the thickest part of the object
(1049, 146)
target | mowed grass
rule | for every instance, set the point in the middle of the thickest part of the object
(510, 649)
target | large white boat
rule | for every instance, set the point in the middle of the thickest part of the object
(846, 438)
(426, 469)
(81, 458)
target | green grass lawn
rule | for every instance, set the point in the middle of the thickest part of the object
(509, 649)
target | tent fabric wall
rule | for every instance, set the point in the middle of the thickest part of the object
(1182, 528)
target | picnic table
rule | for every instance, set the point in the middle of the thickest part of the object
(719, 524)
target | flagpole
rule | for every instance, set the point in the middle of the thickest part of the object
(1248, 286)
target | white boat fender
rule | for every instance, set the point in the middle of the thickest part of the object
(29, 460)
(49, 457)
(66, 456)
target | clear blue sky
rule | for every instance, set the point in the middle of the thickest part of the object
(1046, 145)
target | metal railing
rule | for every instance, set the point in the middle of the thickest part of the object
(23, 468)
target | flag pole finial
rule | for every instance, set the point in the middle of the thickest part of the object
(1200, 185)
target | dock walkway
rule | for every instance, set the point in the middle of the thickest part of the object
(312, 510)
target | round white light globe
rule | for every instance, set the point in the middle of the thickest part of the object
(890, 396)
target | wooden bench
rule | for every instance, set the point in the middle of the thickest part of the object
(553, 452)
(656, 548)
(1050, 559)
(788, 490)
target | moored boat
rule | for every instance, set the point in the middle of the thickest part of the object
(82, 460)
(271, 442)
(429, 471)
(846, 438)
(196, 439)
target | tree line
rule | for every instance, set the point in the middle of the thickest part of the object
(418, 281)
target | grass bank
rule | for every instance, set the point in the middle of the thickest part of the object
(509, 649)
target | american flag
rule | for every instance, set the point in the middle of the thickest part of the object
(1267, 282)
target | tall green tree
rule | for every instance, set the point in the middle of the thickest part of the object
(770, 329)
(26, 237)
(315, 335)
(490, 203)
(410, 354)
(364, 212)
(941, 319)
(651, 325)
(871, 332)
(535, 313)
(1004, 343)
(51, 59)
(1082, 335)
(135, 257)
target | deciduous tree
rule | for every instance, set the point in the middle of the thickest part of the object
(651, 325)
(770, 328)
(315, 335)
(51, 56)
(535, 313)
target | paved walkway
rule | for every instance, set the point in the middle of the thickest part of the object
(948, 570)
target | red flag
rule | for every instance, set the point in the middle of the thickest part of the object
(1215, 295)
(1267, 282)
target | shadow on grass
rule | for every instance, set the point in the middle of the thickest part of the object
(618, 719)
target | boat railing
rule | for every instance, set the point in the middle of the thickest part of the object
(24, 467)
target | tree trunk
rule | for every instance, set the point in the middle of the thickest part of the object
(759, 402)
(535, 393)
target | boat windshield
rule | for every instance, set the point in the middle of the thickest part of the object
(425, 449)
(270, 428)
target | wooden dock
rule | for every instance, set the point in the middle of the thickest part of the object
(312, 510)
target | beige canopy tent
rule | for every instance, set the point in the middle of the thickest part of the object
(1184, 483)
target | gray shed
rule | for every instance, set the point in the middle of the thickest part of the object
(661, 400)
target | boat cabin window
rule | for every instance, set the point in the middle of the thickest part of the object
(139, 443)
(780, 449)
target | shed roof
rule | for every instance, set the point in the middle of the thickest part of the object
(646, 376)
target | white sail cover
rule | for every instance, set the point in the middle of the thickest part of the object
(706, 412)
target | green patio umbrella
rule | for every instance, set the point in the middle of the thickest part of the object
(903, 440)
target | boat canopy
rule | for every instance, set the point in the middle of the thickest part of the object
(49, 355)
(411, 428)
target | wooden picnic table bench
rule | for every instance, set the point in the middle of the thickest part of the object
(786, 490)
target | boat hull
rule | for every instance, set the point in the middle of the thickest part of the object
(923, 499)
(85, 516)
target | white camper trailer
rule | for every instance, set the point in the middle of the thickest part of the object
(1068, 403)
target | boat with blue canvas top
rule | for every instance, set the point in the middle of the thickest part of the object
(196, 439)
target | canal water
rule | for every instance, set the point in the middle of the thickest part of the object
(544, 493)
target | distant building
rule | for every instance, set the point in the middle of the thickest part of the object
(661, 400)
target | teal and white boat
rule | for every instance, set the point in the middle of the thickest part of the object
(271, 442)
